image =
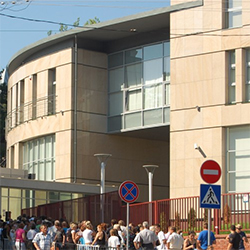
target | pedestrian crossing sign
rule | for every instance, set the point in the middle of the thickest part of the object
(210, 196)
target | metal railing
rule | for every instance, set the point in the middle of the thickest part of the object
(96, 247)
(183, 213)
(44, 106)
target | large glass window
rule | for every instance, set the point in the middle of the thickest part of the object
(238, 159)
(39, 158)
(233, 13)
(139, 81)
(231, 77)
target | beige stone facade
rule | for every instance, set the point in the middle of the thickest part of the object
(200, 43)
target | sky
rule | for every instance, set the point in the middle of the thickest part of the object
(16, 33)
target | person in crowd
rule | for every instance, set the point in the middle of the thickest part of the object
(13, 236)
(190, 242)
(112, 223)
(202, 241)
(243, 237)
(71, 236)
(234, 239)
(65, 226)
(42, 240)
(132, 235)
(161, 237)
(120, 234)
(88, 233)
(59, 237)
(20, 237)
(100, 238)
(175, 241)
(146, 238)
(113, 241)
(30, 236)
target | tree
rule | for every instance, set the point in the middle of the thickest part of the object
(64, 27)
(92, 21)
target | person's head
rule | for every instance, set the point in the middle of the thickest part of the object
(117, 227)
(73, 226)
(89, 225)
(104, 226)
(64, 224)
(145, 224)
(157, 228)
(32, 225)
(152, 228)
(233, 228)
(21, 225)
(238, 228)
(113, 222)
(121, 223)
(172, 230)
(113, 232)
(43, 229)
(99, 228)
(205, 225)
(191, 235)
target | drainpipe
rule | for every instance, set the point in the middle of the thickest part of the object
(75, 113)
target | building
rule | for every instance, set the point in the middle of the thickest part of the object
(106, 89)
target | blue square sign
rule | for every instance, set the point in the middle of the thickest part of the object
(210, 196)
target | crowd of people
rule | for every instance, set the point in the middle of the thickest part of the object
(31, 233)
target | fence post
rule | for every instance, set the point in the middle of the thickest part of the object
(216, 221)
(156, 219)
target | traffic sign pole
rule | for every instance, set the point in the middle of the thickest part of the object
(209, 227)
(127, 226)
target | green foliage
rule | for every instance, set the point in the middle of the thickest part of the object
(92, 21)
(63, 27)
(77, 22)
(191, 218)
(49, 33)
(177, 222)
(205, 215)
(226, 214)
(163, 221)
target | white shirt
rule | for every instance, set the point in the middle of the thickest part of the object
(113, 241)
(161, 238)
(31, 234)
(175, 241)
(87, 235)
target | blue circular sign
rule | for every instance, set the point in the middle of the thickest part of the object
(128, 191)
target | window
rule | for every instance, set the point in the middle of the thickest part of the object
(52, 92)
(238, 159)
(233, 13)
(231, 77)
(34, 96)
(139, 82)
(39, 158)
(247, 89)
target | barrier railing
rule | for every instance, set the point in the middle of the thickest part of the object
(183, 213)
(31, 110)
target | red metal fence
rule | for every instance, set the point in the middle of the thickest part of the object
(184, 213)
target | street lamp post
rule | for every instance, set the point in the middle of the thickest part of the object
(102, 158)
(150, 171)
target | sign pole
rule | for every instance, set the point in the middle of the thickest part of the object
(209, 226)
(127, 226)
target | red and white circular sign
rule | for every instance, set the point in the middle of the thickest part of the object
(210, 171)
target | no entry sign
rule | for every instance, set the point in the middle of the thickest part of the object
(210, 171)
(128, 191)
